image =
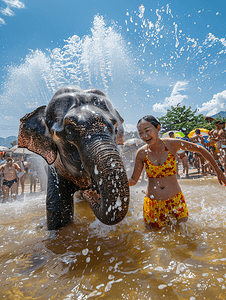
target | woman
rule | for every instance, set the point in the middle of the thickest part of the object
(164, 197)
(24, 168)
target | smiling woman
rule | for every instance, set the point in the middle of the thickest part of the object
(164, 198)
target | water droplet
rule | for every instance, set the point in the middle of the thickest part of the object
(162, 286)
(85, 251)
(95, 170)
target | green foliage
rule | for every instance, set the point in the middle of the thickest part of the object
(219, 118)
(180, 118)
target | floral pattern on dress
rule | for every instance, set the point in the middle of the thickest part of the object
(158, 212)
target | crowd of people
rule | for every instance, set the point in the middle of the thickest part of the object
(15, 171)
(215, 144)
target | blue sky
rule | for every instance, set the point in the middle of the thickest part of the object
(145, 55)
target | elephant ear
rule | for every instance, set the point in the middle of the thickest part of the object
(119, 116)
(120, 135)
(34, 135)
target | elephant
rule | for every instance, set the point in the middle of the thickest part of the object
(77, 134)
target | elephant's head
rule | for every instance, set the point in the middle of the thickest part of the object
(78, 131)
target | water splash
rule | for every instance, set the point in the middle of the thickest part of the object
(100, 60)
(167, 55)
(141, 64)
(91, 61)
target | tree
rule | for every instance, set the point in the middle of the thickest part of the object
(180, 118)
(219, 118)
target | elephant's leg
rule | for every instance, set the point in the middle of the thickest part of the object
(59, 202)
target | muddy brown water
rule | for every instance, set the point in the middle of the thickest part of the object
(89, 260)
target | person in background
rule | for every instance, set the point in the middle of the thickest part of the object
(199, 160)
(16, 160)
(171, 135)
(215, 133)
(213, 151)
(2, 162)
(24, 171)
(218, 136)
(2, 154)
(222, 138)
(181, 156)
(9, 178)
(2, 158)
(32, 175)
(197, 138)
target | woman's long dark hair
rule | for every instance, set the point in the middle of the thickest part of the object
(151, 120)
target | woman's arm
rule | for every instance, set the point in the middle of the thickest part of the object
(138, 167)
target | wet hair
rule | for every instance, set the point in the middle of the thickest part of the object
(151, 120)
(197, 131)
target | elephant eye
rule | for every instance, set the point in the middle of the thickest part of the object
(99, 102)
(95, 101)
(116, 127)
(69, 131)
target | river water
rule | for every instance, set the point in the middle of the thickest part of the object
(90, 260)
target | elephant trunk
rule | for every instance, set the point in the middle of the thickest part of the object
(103, 163)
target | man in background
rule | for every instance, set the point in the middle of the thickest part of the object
(9, 178)
(199, 160)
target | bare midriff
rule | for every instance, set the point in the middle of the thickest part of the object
(9, 172)
(162, 188)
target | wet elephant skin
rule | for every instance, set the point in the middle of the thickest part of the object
(77, 134)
